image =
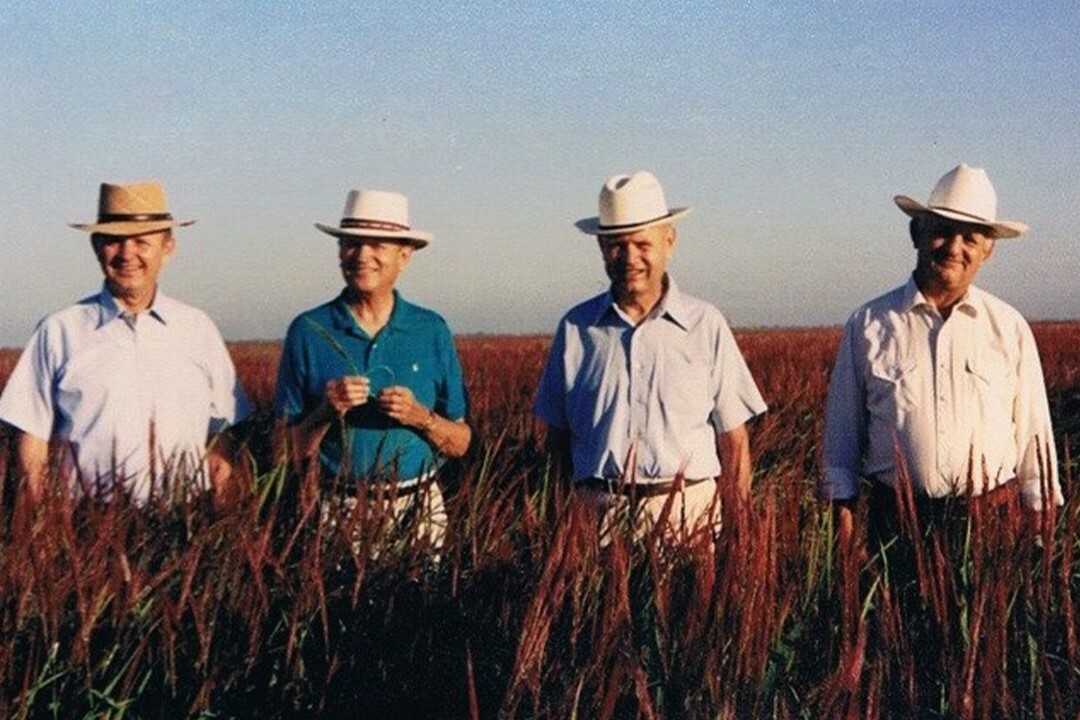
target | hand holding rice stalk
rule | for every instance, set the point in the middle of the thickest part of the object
(355, 389)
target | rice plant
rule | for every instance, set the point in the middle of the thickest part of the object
(261, 608)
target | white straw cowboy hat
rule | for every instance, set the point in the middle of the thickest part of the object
(132, 210)
(629, 203)
(377, 214)
(965, 194)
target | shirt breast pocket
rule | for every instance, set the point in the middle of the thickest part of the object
(687, 384)
(992, 384)
(184, 384)
(890, 389)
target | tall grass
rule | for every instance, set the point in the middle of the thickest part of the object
(260, 610)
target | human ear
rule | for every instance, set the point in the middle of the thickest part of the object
(168, 246)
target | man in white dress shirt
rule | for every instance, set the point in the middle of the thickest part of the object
(132, 384)
(939, 382)
(645, 389)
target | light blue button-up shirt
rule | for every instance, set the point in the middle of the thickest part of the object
(649, 398)
(133, 394)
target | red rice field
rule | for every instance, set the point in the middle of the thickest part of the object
(258, 610)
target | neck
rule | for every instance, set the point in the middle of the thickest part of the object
(134, 303)
(942, 298)
(371, 310)
(638, 305)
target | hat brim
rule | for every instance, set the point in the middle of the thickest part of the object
(592, 226)
(1000, 228)
(416, 238)
(130, 228)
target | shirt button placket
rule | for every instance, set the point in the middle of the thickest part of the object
(943, 383)
(637, 388)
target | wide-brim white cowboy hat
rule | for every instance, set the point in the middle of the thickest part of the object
(966, 194)
(629, 203)
(134, 209)
(377, 214)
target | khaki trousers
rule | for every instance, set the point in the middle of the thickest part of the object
(422, 512)
(694, 508)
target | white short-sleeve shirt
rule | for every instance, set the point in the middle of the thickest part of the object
(138, 395)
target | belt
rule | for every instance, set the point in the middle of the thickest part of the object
(372, 488)
(997, 496)
(641, 488)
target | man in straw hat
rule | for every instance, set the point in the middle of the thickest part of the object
(645, 388)
(941, 376)
(132, 382)
(370, 384)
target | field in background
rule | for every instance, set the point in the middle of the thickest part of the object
(259, 610)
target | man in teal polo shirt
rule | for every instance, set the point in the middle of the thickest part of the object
(369, 383)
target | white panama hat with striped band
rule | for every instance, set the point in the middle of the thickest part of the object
(377, 214)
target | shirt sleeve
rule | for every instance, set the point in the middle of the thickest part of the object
(452, 400)
(550, 403)
(229, 402)
(845, 425)
(1036, 467)
(289, 392)
(27, 402)
(738, 398)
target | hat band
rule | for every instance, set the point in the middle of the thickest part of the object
(979, 220)
(360, 223)
(133, 217)
(633, 224)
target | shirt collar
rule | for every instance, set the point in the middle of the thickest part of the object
(343, 318)
(913, 298)
(110, 309)
(671, 306)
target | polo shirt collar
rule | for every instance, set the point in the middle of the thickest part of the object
(343, 318)
(109, 308)
(913, 298)
(671, 306)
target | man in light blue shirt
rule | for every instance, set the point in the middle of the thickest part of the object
(131, 383)
(644, 386)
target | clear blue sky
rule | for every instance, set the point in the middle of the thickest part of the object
(787, 126)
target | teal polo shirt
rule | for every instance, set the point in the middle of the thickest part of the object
(414, 349)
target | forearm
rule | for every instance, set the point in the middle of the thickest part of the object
(32, 463)
(733, 448)
(449, 437)
(221, 462)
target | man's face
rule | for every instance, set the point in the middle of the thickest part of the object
(371, 265)
(950, 252)
(132, 263)
(636, 262)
